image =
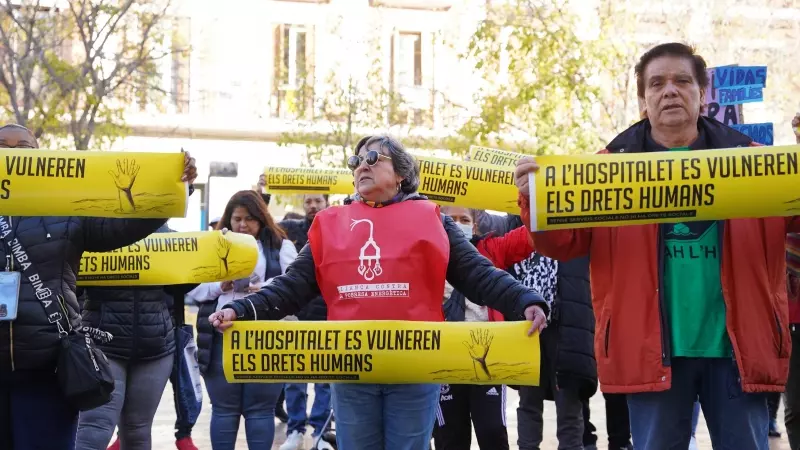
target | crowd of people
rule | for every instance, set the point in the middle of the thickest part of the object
(617, 309)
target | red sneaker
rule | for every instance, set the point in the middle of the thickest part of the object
(115, 445)
(185, 444)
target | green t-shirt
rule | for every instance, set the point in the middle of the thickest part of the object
(693, 290)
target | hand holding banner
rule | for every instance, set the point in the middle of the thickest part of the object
(172, 258)
(100, 184)
(381, 352)
(572, 191)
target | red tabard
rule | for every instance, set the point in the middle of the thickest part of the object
(381, 263)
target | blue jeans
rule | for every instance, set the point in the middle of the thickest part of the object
(695, 417)
(296, 403)
(230, 401)
(736, 420)
(385, 416)
(35, 414)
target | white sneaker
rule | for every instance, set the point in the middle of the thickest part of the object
(293, 442)
(693, 444)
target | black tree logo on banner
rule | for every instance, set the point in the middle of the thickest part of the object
(478, 347)
(124, 179)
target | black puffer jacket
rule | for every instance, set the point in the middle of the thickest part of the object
(567, 344)
(468, 271)
(55, 246)
(139, 318)
(297, 231)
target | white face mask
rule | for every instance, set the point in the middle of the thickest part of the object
(466, 229)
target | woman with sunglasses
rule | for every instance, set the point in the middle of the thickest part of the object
(388, 233)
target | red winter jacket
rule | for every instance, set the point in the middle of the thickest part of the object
(633, 352)
(505, 251)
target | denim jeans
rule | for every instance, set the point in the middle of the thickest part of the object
(297, 403)
(34, 413)
(695, 417)
(791, 399)
(230, 401)
(385, 416)
(736, 420)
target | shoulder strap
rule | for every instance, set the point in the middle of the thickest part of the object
(52, 307)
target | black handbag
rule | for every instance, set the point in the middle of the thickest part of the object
(83, 372)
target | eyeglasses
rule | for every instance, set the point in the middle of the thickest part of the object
(371, 158)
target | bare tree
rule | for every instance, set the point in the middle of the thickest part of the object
(76, 69)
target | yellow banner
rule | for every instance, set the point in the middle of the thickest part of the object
(494, 156)
(172, 258)
(381, 352)
(664, 187)
(448, 182)
(468, 184)
(84, 183)
(306, 180)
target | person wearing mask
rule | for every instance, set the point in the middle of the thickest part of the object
(671, 328)
(34, 414)
(791, 399)
(245, 213)
(388, 233)
(462, 406)
(141, 355)
(297, 393)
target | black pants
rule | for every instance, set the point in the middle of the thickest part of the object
(530, 423)
(618, 424)
(464, 405)
(791, 399)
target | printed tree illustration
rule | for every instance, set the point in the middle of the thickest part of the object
(478, 347)
(124, 179)
(223, 251)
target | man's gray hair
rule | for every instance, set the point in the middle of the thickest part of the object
(403, 163)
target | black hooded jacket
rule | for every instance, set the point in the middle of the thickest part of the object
(55, 246)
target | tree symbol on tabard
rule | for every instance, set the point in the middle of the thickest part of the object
(369, 266)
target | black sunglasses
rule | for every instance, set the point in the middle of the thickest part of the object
(371, 158)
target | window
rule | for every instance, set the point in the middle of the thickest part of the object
(291, 55)
(407, 60)
(293, 78)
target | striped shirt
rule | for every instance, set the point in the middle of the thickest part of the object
(793, 253)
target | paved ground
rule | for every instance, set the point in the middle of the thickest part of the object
(163, 434)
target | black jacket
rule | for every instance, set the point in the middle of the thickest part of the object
(468, 271)
(55, 246)
(205, 332)
(139, 318)
(567, 344)
(297, 231)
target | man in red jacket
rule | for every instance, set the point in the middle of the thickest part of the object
(684, 309)
(792, 398)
